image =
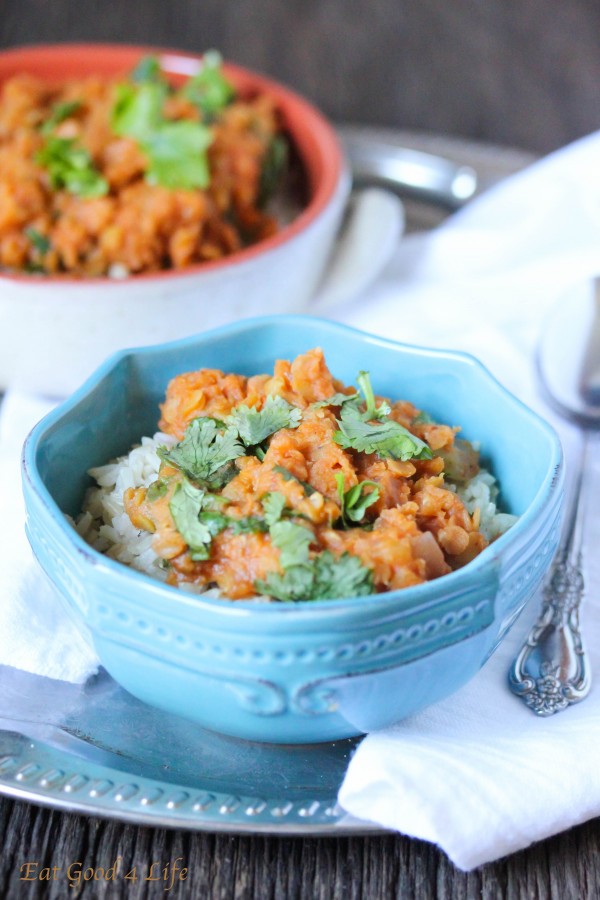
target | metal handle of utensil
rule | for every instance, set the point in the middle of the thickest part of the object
(552, 670)
(409, 172)
(589, 379)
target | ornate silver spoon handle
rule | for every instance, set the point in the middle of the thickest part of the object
(552, 669)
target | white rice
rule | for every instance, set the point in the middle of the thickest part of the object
(105, 525)
(481, 492)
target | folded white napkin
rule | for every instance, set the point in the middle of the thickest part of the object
(36, 633)
(478, 774)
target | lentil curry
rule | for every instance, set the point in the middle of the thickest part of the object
(136, 175)
(295, 486)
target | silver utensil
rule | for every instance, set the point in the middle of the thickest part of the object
(412, 173)
(552, 670)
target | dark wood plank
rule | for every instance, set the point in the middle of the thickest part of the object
(566, 867)
(520, 72)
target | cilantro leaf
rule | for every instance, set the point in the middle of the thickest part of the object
(58, 114)
(215, 522)
(309, 490)
(157, 489)
(185, 506)
(204, 452)
(323, 578)
(273, 167)
(273, 505)
(148, 69)
(71, 167)
(293, 584)
(423, 418)
(39, 240)
(196, 524)
(303, 578)
(335, 400)
(176, 151)
(248, 525)
(254, 426)
(137, 110)
(355, 501)
(292, 541)
(209, 90)
(388, 439)
(372, 411)
(340, 577)
(215, 502)
(176, 154)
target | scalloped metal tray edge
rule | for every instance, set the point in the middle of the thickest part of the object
(95, 749)
(41, 775)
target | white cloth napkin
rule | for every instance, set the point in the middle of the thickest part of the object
(477, 774)
(36, 633)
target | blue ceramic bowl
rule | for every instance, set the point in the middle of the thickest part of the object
(308, 671)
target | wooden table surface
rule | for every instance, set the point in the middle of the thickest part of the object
(566, 867)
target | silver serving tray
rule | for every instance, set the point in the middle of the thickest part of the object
(95, 749)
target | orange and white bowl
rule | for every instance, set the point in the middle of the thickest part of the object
(55, 330)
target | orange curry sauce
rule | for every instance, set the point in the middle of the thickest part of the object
(417, 530)
(136, 227)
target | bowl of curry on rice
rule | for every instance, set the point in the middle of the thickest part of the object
(148, 194)
(303, 551)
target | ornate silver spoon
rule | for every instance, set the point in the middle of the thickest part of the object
(552, 669)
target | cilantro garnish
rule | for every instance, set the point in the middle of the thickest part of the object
(215, 521)
(137, 110)
(273, 167)
(293, 584)
(177, 155)
(292, 541)
(157, 489)
(196, 525)
(58, 114)
(71, 167)
(342, 576)
(38, 240)
(321, 578)
(205, 452)
(372, 411)
(148, 69)
(372, 431)
(248, 525)
(355, 501)
(289, 476)
(176, 151)
(273, 505)
(387, 439)
(254, 426)
(209, 90)
(423, 418)
(325, 577)
(335, 400)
